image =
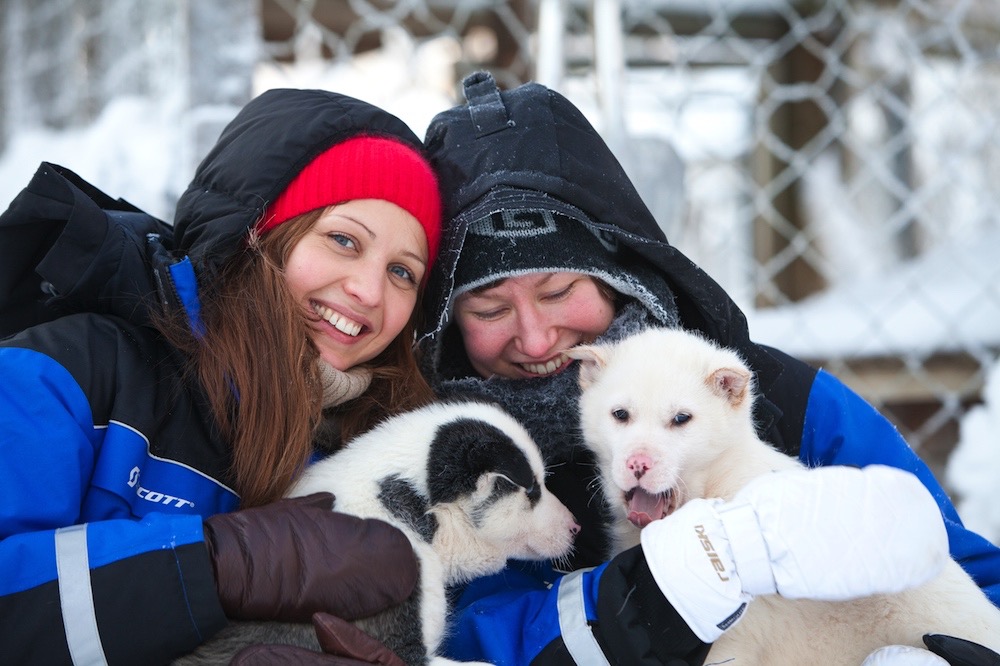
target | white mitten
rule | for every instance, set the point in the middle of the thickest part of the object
(829, 533)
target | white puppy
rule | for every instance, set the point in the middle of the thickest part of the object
(465, 482)
(668, 415)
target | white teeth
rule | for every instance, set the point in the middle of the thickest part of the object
(546, 368)
(338, 321)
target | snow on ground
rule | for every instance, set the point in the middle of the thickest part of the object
(946, 300)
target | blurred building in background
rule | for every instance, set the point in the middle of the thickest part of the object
(833, 163)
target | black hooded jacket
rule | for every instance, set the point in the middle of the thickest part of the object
(531, 148)
(101, 431)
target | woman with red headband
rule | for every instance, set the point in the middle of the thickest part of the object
(152, 421)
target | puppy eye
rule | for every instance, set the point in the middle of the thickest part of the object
(621, 415)
(680, 418)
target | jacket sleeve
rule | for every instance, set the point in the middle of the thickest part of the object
(529, 614)
(66, 246)
(841, 428)
(105, 588)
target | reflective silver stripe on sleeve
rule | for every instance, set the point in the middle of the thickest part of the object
(76, 597)
(576, 633)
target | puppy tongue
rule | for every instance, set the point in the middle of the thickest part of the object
(644, 508)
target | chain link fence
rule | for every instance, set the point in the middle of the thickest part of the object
(834, 164)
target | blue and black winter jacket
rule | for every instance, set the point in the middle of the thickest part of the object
(531, 146)
(108, 459)
(109, 454)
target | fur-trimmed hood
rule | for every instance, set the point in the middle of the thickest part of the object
(531, 147)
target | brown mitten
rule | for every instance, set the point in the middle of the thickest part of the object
(295, 557)
(342, 638)
(343, 645)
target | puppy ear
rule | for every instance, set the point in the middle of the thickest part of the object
(730, 383)
(593, 359)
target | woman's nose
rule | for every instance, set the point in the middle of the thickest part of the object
(536, 335)
(367, 286)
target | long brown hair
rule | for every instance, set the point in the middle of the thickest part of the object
(260, 373)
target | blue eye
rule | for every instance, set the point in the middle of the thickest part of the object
(621, 415)
(680, 418)
(342, 240)
(403, 272)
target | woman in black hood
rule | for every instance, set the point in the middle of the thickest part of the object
(180, 373)
(547, 245)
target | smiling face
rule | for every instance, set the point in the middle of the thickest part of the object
(520, 326)
(356, 273)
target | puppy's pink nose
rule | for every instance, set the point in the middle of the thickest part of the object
(639, 464)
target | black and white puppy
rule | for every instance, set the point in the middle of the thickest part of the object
(465, 482)
(669, 416)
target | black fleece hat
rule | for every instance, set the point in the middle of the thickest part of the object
(512, 241)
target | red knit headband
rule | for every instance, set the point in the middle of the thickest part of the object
(364, 167)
